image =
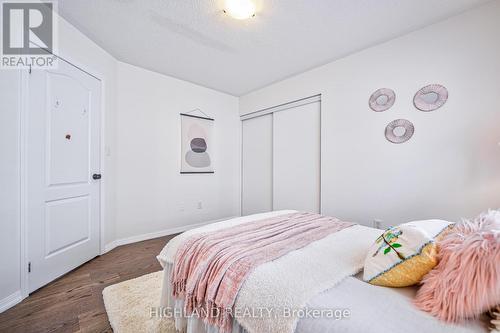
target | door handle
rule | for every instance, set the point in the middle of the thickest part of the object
(96, 176)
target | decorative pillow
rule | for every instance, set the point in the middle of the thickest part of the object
(402, 255)
(466, 282)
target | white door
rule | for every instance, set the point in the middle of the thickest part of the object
(296, 158)
(257, 165)
(62, 161)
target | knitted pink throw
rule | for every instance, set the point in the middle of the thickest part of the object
(210, 268)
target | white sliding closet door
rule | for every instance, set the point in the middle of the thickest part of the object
(257, 161)
(296, 158)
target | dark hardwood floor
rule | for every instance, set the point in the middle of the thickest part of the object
(73, 303)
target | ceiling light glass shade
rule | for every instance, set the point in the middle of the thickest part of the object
(240, 9)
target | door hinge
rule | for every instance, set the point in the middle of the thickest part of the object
(29, 267)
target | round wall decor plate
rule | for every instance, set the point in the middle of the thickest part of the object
(382, 99)
(430, 97)
(399, 131)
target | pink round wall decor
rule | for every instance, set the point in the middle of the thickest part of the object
(382, 99)
(430, 97)
(399, 131)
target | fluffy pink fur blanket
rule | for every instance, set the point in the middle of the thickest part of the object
(466, 282)
(210, 268)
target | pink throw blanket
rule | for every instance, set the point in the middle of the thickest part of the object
(210, 268)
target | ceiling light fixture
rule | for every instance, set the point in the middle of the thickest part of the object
(240, 9)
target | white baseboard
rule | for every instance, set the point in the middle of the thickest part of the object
(10, 301)
(156, 234)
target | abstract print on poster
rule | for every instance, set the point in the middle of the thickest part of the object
(196, 141)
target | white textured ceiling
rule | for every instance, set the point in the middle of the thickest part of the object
(195, 41)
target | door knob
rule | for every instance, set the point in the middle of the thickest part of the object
(96, 176)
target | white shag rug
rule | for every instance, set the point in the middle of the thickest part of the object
(128, 305)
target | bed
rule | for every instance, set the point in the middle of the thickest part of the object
(369, 308)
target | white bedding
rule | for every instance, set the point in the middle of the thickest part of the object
(371, 308)
(377, 309)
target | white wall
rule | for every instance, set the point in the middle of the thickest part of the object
(81, 51)
(151, 195)
(451, 167)
(9, 183)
